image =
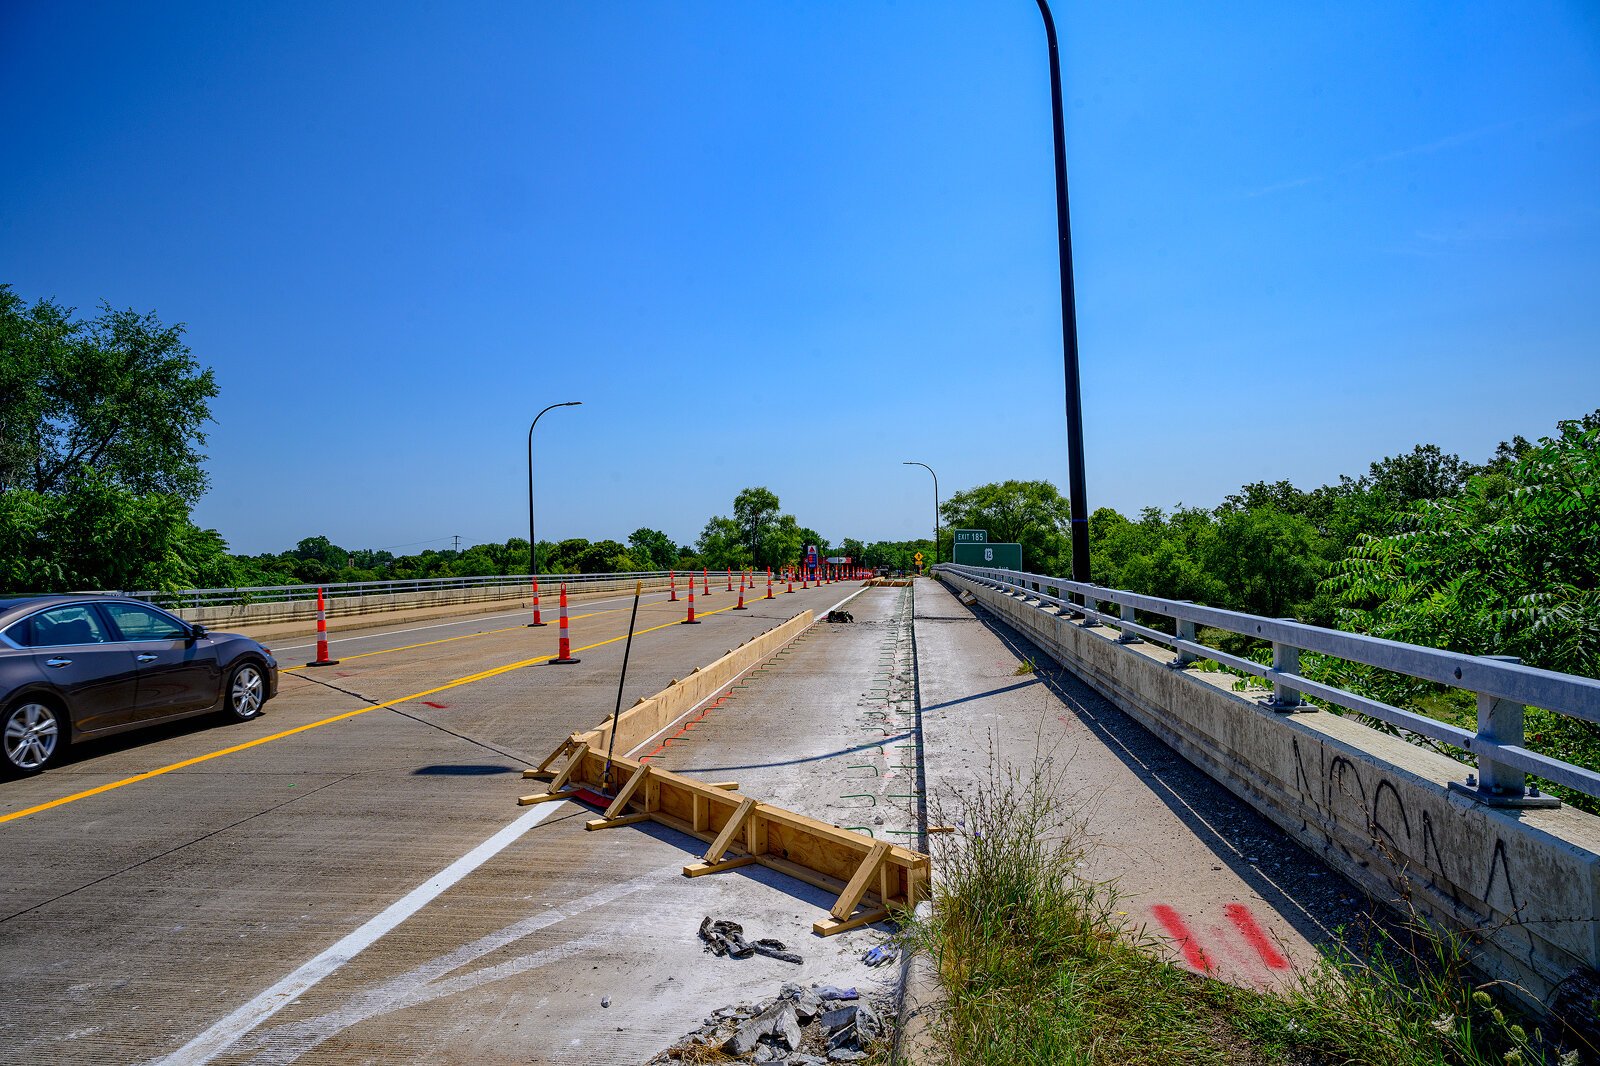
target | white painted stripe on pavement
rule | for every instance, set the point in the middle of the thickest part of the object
(217, 1039)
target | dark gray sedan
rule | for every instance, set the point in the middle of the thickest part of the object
(77, 667)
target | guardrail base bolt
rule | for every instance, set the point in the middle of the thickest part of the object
(1498, 797)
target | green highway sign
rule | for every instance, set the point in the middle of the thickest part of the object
(995, 556)
(971, 536)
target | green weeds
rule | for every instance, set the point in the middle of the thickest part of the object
(1038, 966)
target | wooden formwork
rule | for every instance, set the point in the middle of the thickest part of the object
(872, 879)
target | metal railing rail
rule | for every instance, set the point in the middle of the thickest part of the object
(223, 597)
(1503, 686)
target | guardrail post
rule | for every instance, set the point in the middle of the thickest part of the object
(1126, 637)
(1185, 632)
(1498, 785)
(1285, 658)
(1091, 607)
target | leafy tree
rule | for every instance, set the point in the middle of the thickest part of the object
(1424, 473)
(785, 542)
(100, 425)
(1030, 513)
(755, 510)
(722, 544)
(653, 549)
(96, 534)
(322, 550)
(1510, 566)
(120, 394)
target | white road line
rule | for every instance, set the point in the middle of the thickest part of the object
(429, 982)
(215, 1040)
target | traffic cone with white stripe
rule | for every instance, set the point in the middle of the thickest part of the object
(672, 575)
(322, 635)
(730, 579)
(691, 620)
(705, 582)
(769, 582)
(791, 582)
(741, 606)
(565, 647)
(537, 621)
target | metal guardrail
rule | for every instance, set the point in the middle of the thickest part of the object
(1504, 687)
(224, 597)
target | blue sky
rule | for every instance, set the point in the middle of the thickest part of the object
(795, 244)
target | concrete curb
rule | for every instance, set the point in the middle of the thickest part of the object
(914, 1039)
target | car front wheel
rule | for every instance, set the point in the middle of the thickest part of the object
(30, 737)
(247, 691)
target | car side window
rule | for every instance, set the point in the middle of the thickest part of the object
(60, 626)
(144, 623)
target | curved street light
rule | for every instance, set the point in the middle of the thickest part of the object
(533, 544)
(929, 469)
(1077, 493)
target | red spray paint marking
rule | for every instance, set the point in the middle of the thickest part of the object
(1245, 922)
(436, 706)
(1172, 922)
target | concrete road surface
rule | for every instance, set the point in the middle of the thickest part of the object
(348, 879)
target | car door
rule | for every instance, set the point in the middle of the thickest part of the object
(177, 675)
(72, 652)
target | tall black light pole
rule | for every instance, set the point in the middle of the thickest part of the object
(533, 545)
(929, 469)
(1069, 321)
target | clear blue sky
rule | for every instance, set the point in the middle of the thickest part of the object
(1307, 236)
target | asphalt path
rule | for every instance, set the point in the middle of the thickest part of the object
(175, 894)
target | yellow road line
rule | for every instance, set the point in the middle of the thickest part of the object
(457, 683)
(446, 640)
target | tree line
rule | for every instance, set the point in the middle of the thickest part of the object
(102, 429)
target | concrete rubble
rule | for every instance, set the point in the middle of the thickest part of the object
(800, 1027)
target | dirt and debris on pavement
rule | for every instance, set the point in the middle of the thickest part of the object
(801, 1026)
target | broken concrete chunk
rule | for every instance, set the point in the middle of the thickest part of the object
(745, 1038)
(835, 1020)
(749, 1034)
(852, 1028)
(806, 1003)
(845, 1055)
(763, 1053)
(786, 1026)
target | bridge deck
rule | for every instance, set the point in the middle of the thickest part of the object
(1240, 899)
(363, 888)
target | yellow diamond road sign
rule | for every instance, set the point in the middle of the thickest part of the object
(919, 557)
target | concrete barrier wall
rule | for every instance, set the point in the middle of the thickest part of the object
(240, 614)
(1372, 806)
(650, 716)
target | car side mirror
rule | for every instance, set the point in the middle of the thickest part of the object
(196, 631)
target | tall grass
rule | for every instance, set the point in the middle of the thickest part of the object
(1038, 966)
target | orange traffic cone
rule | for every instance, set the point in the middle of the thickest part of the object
(322, 635)
(564, 648)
